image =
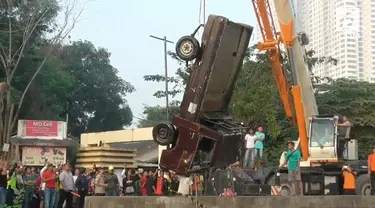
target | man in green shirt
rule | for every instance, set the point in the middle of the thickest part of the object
(112, 183)
(29, 180)
(293, 158)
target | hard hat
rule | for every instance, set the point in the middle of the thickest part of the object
(110, 168)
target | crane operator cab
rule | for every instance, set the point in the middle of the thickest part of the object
(329, 142)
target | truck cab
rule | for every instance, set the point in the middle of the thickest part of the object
(330, 143)
(204, 135)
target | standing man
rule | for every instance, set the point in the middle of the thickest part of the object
(248, 161)
(151, 182)
(293, 158)
(67, 186)
(345, 122)
(99, 183)
(3, 183)
(143, 184)
(82, 185)
(349, 180)
(112, 183)
(344, 131)
(259, 142)
(124, 173)
(184, 187)
(49, 178)
(371, 170)
(29, 181)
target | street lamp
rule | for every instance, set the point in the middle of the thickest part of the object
(165, 71)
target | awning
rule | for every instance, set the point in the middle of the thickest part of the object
(68, 142)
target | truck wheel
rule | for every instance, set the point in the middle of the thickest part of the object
(286, 187)
(363, 185)
(164, 134)
(187, 48)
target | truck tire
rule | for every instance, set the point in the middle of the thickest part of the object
(164, 134)
(187, 48)
(363, 185)
(286, 187)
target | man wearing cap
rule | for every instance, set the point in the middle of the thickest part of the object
(99, 183)
(49, 177)
(371, 170)
(112, 183)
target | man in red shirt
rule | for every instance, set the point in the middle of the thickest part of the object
(143, 184)
(159, 184)
(49, 177)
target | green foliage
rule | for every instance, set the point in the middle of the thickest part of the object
(178, 81)
(97, 95)
(156, 114)
(256, 101)
(75, 79)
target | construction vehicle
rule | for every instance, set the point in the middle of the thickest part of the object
(321, 168)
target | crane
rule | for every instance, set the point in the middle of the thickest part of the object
(297, 95)
(298, 98)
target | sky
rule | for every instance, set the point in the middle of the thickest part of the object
(124, 27)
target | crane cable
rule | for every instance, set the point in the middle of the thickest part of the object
(202, 10)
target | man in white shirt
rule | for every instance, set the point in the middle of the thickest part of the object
(248, 161)
(184, 186)
(123, 173)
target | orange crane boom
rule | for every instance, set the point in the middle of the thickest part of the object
(271, 43)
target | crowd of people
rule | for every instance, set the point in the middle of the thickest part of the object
(58, 186)
(158, 183)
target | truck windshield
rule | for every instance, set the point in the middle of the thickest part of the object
(322, 133)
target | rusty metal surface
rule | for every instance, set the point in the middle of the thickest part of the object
(211, 82)
(203, 111)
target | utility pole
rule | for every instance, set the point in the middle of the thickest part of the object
(165, 40)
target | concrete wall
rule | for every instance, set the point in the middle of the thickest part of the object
(130, 135)
(228, 202)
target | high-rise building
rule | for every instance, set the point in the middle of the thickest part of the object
(335, 30)
(342, 29)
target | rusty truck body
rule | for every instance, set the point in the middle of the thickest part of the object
(204, 135)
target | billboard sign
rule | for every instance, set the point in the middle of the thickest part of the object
(41, 129)
(35, 156)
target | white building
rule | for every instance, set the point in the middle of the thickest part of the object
(335, 29)
(342, 29)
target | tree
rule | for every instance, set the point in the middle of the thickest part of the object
(25, 49)
(178, 80)
(97, 95)
(256, 101)
(156, 114)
